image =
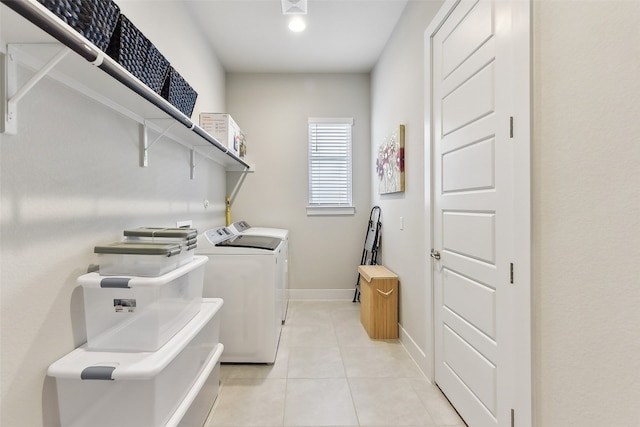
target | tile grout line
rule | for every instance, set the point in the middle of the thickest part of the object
(346, 376)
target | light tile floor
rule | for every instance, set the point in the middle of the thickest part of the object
(329, 373)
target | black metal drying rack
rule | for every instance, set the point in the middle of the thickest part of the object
(371, 245)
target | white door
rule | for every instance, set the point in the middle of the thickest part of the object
(472, 77)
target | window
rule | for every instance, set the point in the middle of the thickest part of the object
(330, 166)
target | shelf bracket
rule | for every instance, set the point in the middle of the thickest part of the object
(15, 94)
(145, 146)
(192, 158)
(195, 163)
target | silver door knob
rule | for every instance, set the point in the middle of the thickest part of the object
(435, 254)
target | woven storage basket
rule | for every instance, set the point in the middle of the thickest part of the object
(95, 20)
(131, 49)
(177, 91)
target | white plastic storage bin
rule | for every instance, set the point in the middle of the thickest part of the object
(149, 259)
(129, 313)
(148, 389)
(197, 404)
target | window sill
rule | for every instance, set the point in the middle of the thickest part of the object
(330, 210)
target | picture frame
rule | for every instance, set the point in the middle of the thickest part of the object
(390, 162)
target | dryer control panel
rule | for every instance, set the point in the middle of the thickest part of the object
(217, 235)
(240, 226)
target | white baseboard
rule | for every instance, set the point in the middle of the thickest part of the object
(416, 353)
(321, 294)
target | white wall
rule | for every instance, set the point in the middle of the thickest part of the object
(70, 180)
(398, 97)
(586, 198)
(272, 109)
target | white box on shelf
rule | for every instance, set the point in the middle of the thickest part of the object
(129, 313)
(146, 389)
(223, 128)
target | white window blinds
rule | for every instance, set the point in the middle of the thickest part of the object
(330, 161)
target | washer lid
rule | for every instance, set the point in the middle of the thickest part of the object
(247, 241)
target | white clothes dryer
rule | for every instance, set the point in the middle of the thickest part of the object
(245, 271)
(243, 227)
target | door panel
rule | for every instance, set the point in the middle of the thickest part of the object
(471, 300)
(468, 135)
(483, 343)
(471, 234)
(470, 101)
(475, 409)
(476, 160)
(471, 368)
(480, 59)
(471, 189)
(470, 32)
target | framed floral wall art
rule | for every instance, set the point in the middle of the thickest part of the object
(390, 163)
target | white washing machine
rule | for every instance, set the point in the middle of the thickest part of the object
(245, 271)
(243, 227)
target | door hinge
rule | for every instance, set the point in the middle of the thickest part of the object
(513, 418)
(511, 273)
(511, 127)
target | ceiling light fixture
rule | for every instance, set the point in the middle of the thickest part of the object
(294, 7)
(297, 24)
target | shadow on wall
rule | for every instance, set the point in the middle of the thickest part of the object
(50, 412)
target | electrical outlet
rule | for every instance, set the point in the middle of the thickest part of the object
(184, 224)
(401, 223)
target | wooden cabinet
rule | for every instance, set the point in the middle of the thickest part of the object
(378, 301)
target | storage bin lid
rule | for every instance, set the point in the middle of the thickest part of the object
(95, 280)
(179, 233)
(139, 248)
(98, 365)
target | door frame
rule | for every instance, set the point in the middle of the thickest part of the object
(522, 404)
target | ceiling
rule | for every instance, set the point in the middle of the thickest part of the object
(341, 35)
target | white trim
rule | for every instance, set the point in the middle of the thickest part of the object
(347, 120)
(330, 210)
(523, 341)
(321, 294)
(431, 30)
(416, 353)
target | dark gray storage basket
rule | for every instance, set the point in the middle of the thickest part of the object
(179, 93)
(95, 20)
(135, 52)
